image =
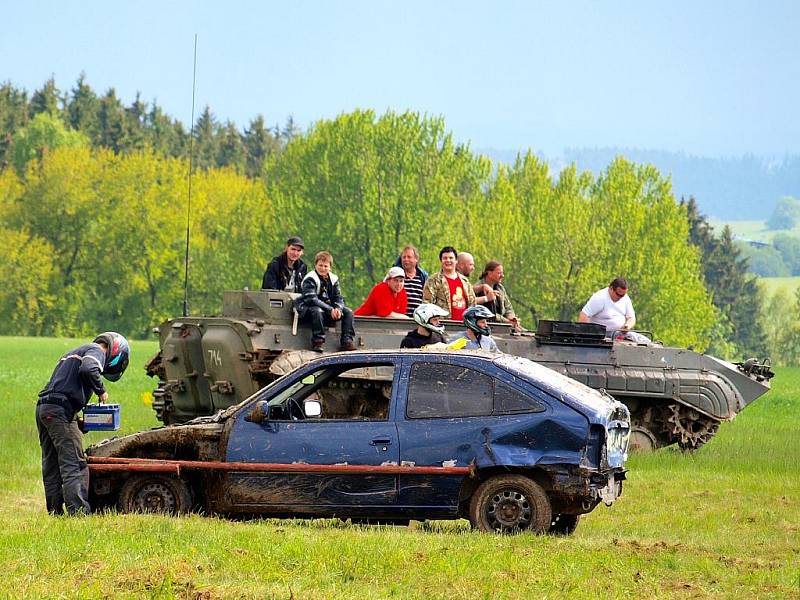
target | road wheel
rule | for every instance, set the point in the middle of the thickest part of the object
(155, 494)
(510, 504)
(642, 440)
(563, 524)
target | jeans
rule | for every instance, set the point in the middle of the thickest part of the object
(320, 319)
(64, 470)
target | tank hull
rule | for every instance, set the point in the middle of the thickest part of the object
(675, 395)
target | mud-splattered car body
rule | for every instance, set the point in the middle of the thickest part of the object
(387, 435)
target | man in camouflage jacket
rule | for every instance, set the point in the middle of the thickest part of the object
(437, 288)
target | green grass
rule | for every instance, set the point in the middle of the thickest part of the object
(724, 522)
(770, 285)
(751, 230)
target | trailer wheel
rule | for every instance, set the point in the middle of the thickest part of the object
(155, 494)
(510, 504)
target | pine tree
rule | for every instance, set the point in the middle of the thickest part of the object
(259, 143)
(206, 142)
(113, 124)
(231, 148)
(13, 116)
(47, 99)
(734, 290)
(290, 130)
(82, 109)
(136, 117)
(161, 134)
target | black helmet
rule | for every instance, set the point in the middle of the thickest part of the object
(474, 314)
(117, 355)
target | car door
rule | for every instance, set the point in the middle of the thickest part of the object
(455, 412)
(355, 428)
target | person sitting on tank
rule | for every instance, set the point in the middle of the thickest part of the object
(428, 330)
(388, 298)
(322, 304)
(610, 307)
(478, 333)
(415, 277)
(465, 264)
(286, 271)
(490, 292)
(448, 288)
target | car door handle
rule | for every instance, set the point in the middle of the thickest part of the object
(380, 442)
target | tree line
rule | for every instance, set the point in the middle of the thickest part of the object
(104, 121)
(96, 233)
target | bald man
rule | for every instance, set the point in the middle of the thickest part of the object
(465, 264)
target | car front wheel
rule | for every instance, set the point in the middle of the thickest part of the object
(155, 494)
(510, 504)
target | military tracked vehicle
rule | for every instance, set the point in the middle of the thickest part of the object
(675, 395)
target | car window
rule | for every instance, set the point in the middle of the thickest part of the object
(509, 400)
(351, 392)
(441, 390)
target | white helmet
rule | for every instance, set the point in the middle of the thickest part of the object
(425, 312)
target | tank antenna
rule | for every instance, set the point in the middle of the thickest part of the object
(189, 204)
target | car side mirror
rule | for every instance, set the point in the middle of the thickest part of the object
(312, 408)
(260, 412)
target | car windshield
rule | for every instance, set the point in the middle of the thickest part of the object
(536, 373)
(351, 391)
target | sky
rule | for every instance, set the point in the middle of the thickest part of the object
(709, 78)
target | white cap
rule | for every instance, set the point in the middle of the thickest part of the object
(394, 272)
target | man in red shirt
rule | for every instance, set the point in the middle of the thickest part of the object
(388, 298)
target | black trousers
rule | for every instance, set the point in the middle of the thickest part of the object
(64, 470)
(319, 319)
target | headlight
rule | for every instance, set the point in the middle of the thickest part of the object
(618, 433)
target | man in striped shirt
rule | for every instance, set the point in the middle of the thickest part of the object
(415, 277)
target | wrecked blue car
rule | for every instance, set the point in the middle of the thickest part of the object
(386, 436)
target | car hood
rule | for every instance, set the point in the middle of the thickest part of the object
(198, 439)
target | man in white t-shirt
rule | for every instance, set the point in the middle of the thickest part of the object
(610, 307)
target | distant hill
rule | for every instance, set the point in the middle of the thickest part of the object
(743, 188)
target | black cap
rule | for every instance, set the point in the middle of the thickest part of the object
(295, 240)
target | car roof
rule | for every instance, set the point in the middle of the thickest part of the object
(480, 354)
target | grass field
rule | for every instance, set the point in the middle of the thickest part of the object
(751, 230)
(724, 522)
(770, 285)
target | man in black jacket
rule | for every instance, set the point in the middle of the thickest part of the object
(286, 271)
(74, 380)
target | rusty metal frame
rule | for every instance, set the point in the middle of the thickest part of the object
(102, 464)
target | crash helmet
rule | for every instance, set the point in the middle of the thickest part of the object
(117, 355)
(425, 312)
(474, 314)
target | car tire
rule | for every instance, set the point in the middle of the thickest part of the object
(155, 494)
(564, 524)
(510, 504)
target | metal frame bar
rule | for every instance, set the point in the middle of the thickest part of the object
(103, 464)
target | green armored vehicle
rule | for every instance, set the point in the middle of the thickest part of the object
(676, 396)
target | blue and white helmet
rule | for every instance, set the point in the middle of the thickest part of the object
(425, 312)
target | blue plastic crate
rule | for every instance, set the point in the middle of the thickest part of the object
(101, 417)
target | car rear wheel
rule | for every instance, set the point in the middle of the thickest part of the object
(510, 504)
(155, 494)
